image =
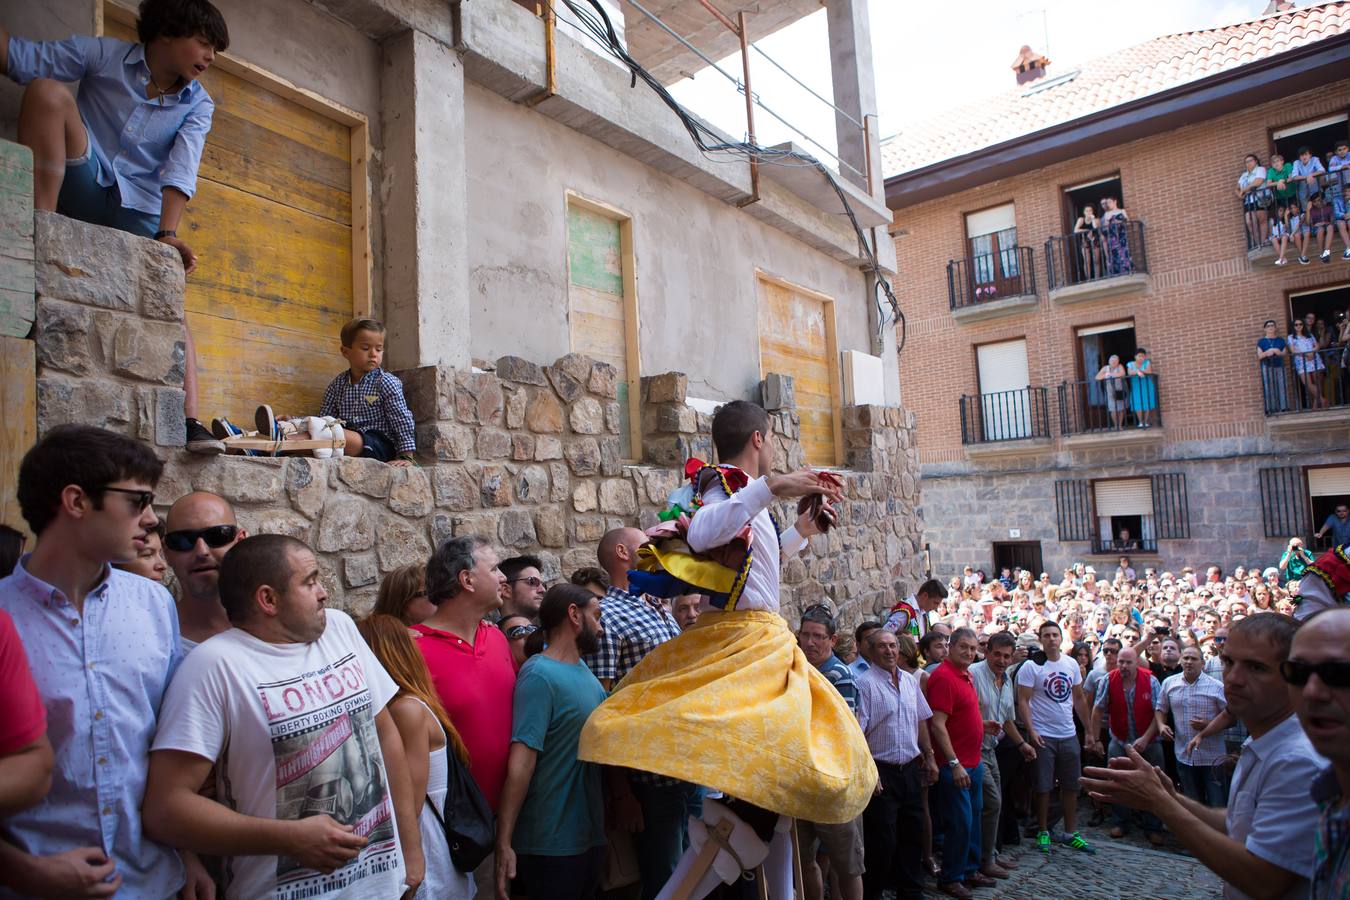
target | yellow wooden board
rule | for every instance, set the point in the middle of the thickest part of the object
(796, 339)
(18, 420)
(272, 225)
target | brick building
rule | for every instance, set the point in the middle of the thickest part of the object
(1026, 457)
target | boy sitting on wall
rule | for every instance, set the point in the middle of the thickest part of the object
(367, 399)
(125, 154)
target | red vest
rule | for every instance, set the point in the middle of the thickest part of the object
(1143, 703)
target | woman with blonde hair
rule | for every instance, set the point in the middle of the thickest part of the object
(428, 737)
(403, 595)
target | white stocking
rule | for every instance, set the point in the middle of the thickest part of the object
(778, 865)
(750, 851)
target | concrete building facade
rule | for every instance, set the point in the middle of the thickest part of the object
(1011, 317)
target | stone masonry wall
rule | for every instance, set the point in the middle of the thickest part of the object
(526, 455)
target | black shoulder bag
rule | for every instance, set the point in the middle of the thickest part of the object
(470, 827)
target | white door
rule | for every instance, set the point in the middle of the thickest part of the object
(1005, 402)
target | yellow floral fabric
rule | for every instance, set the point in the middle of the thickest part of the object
(733, 704)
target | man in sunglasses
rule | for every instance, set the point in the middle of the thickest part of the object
(103, 644)
(523, 590)
(200, 530)
(1264, 838)
(1318, 675)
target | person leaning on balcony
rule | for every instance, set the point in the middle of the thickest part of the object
(1113, 376)
(1338, 167)
(1255, 196)
(1086, 233)
(1288, 225)
(1116, 237)
(1307, 361)
(1143, 388)
(1271, 349)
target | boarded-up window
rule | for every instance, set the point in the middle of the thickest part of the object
(272, 224)
(602, 302)
(796, 338)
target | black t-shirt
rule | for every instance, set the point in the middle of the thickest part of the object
(1161, 673)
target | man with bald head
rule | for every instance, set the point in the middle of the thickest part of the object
(1318, 675)
(199, 530)
(1129, 699)
(653, 807)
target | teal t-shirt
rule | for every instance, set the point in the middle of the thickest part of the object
(563, 813)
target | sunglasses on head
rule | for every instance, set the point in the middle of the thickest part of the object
(216, 536)
(1335, 673)
(533, 581)
(141, 499)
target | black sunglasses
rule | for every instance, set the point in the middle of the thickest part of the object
(142, 498)
(533, 581)
(1336, 673)
(520, 631)
(215, 536)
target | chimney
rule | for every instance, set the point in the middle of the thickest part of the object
(1277, 6)
(1029, 65)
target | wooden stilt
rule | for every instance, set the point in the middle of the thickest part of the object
(762, 883)
(798, 885)
(721, 832)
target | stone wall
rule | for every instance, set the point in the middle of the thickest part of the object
(526, 455)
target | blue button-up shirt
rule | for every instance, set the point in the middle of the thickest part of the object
(142, 145)
(375, 401)
(101, 676)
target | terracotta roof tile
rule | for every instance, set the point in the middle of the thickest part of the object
(1148, 68)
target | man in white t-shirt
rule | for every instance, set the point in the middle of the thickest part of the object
(1048, 693)
(313, 797)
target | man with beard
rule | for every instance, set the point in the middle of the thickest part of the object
(551, 822)
(199, 530)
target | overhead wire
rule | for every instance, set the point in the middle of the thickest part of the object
(596, 21)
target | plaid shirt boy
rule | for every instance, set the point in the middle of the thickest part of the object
(373, 403)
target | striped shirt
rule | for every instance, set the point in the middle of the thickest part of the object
(890, 712)
(841, 676)
(1200, 699)
(1331, 876)
(374, 403)
(997, 703)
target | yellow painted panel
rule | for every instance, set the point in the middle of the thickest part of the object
(596, 320)
(288, 369)
(794, 341)
(18, 420)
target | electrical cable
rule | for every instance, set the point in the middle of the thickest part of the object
(709, 141)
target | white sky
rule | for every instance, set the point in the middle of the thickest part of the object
(931, 56)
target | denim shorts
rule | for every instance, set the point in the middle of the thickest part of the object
(83, 198)
(376, 445)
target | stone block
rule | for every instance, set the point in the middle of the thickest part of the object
(522, 371)
(442, 528)
(668, 387)
(611, 457)
(579, 558)
(660, 483)
(242, 479)
(478, 399)
(347, 524)
(777, 392)
(617, 496)
(516, 400)
(584, 496)
(589, 529)
(613, 418)
(494, 486)
(522, 447)
(170, 424)
(576, 366)
(410, 492)
(429, 392)
(516, 528)
(481, 524)
(87, 264)
(669, 451)
(561, 481)
(400, 543)
(544, 414)
(365, 476)
(583, 456)
(568, 387)
(161, 285)
(493, 443)
(306, 484)
(587, 416)
(604, 380)
(145, 411)
(550, 526)
(150, 351)
(359, 570)
(277, 521)
(449, 443)
(63, 336)
(456, 487)
(546, 448)
(532, 485)
(676, 418)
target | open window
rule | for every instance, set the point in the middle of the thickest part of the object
(1329, 305)
(1328, 488)
(1090, 193)
(1125, 522)
(995, 266)
(1318, 135)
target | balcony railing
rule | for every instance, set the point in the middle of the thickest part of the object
(1102, 547)
(991, 276)
(1112, 404)
(1005, 416)
(1306, 382)
(1112, 251)
(1269, 213)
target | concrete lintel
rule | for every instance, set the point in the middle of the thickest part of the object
(503, 47)
(807, 182)
(1124, 437)
(380, 19)
(1100, 289)
(994, 309)
(1336, 419)
(999, 449)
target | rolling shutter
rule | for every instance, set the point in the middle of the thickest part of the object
(1124, 497)
(1333, 481)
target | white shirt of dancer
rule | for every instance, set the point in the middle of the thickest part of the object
(722, 517)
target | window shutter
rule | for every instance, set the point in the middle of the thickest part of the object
(1124, 497)
(1283, 509)
(1171, 511)
(1073, 509)
(1329, 481)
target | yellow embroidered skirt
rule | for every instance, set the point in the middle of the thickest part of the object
(732, 704)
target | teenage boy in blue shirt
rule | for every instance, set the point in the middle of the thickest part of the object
(125, 154)
(1338, 166)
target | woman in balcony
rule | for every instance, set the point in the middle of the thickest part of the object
(1087, 237)
(1308, 363)
(1113, 375)
(1116, 238)
(1143, 388)
(1255, 197)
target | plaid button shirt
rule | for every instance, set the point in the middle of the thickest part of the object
(633, 627)
(375, 402)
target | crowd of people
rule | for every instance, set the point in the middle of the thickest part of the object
(1299, 204)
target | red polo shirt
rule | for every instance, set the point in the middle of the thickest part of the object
(475, 684)
(25, 718)
(951, 691)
